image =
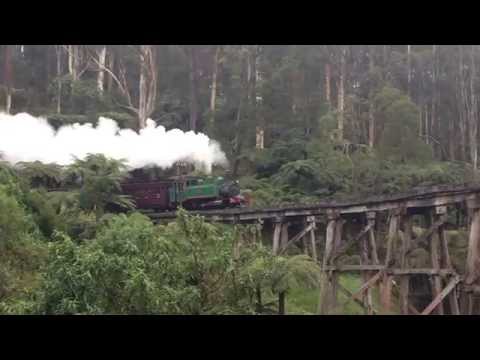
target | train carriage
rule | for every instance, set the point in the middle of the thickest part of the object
(149, 195)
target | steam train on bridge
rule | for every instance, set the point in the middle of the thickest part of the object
(189, 192)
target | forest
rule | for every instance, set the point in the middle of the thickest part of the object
(298, 123)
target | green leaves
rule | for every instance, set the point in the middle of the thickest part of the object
(40, 174)
(186, 267)
(13, 221)
(101, 179)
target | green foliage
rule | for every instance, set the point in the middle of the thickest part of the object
(10, 181)
(40, 174)
(13, 222)
(333, 173)
(20, 271)
(101, 178)
(42, 211)
(186, 267)
(271, 160)
(399, 139)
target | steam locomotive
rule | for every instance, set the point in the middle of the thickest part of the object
(189, 192)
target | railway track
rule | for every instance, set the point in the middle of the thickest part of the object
(412, 200)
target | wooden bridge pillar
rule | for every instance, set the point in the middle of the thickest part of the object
(326, 290)
(404, 263)
(472, 273)
(368, 256)
(311, 220)
(386, 291)
(284, 235)
(373, 256)
(435, 255)
(335, 275)
(277, 228)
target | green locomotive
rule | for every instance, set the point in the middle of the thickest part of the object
(189, 192)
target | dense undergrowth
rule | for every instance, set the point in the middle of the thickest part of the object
(326, 174)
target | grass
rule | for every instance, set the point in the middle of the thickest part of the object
(302, 301)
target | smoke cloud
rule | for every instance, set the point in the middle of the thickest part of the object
(27, 138)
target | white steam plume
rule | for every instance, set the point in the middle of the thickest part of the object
(27, 138)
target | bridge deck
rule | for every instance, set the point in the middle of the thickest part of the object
(434, 196)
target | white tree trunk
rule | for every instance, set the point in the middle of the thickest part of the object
(73, 61)
(147, 84)
(473, 113)
(213, 95)
(409, 69)
(58, 49)
(111, 65)
(433, 121)
(341, 94)
(142, 118)
(70, 59)
(102, 54)
(327, 82)
(8, 101)
(8, 77)
(371, 117)
(193, 88)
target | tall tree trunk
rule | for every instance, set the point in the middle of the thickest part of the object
(252, 84)
(473, 113)
(8, 77)
(70, 59)
(147, 84)
(341, 93)
(58, 49)
(427, 126)
(142, 117)
(102, 54)
(385, 56)
(237, 141)
(48, 63)
(421, 104)
(434, 122)
(328, 77)
(111, 65)
(73, 61)
(371, 118)
(409, 70)
(451, 139)
(252, 89)
(193, 88)
(463, 114)
(213, 94)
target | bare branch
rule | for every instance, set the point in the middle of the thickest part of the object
(110, 72)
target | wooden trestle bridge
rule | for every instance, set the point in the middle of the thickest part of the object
(384, 241)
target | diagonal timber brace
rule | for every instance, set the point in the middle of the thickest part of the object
(373, 280)
(451, 285)
(297, 237)
(348, 244)
(351, 296)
